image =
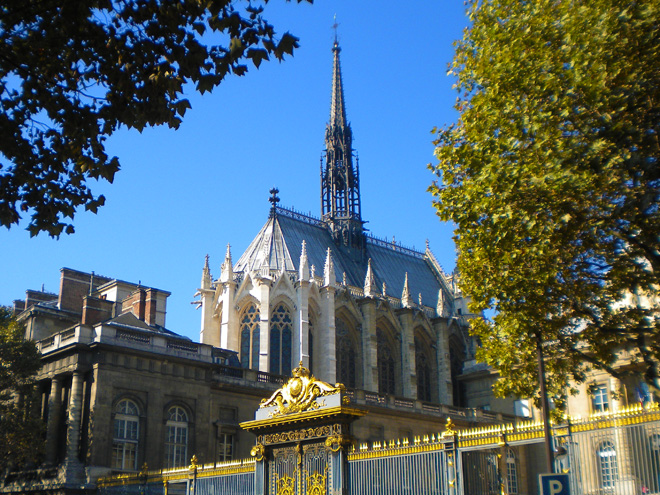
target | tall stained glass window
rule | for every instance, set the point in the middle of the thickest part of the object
(345, 354)
(250, 337)
(423, 371)
(280, 340)
(386, 382)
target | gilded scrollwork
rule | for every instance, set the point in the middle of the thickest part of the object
(336, 442)
(299, 393)
(286, 485)
(316, 482)
(450, 428)
(297, 435)
(258, 452)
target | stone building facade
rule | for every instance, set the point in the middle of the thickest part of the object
(369, 313)
(119, 390)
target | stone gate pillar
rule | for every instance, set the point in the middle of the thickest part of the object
(303, 432)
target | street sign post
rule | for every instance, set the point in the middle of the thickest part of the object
(554, 484)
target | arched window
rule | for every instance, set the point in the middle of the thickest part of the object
(345, 354)
(511, 473)
(280, 340)
(176, 437)
(457, 358)
(250, 337)
(125, 435)
(607, 464)
(386, 383)
(310, 344)
(423, 371)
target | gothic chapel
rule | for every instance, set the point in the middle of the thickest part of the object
(364, 312)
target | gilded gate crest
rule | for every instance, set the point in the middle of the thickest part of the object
(299, 393)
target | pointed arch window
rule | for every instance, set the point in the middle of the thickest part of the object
(280, 340)
(310, 343)
(176, 440)
(607, 464)
(386, 381)
(345, 354)
(423, 371)
(250, 319)
(125, 435)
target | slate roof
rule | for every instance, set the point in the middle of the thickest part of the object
(279, 244)
(129, 320)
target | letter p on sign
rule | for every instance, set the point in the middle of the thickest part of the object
(554, 484)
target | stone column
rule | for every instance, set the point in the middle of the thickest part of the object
(72, 468)
(229, 337)
(445, 391)
(75, 416)
(326, 333)
(264, 324)
(54, 412)
(301, 350)
(369, 345)
(408, 365)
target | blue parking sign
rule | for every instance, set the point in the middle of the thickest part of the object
(554, 484)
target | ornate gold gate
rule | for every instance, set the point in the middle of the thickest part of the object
(302, 433)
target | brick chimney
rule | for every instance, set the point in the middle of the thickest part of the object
(96, 310)
(151, 306)
(75, 285)
(135, 303)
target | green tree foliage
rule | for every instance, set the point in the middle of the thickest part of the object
(20, 426)
(74, 71)
(551, 176)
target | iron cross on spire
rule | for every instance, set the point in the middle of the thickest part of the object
(335, 26)
(273, 199)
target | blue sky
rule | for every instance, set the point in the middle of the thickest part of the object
(183, 194)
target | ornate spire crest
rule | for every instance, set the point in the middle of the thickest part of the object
(206, 274)
(340, 175)
(329, 270)
(299, 393)
(370, 287)
(227, 268)
(440, 307)
(273, 200)
(303, 271)
(406, 300)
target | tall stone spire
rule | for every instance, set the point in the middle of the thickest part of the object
(206, 274)
(303, 271)
(406, 300)
(340, 177)
(227, 269)
(329, 270)
(370, 287)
